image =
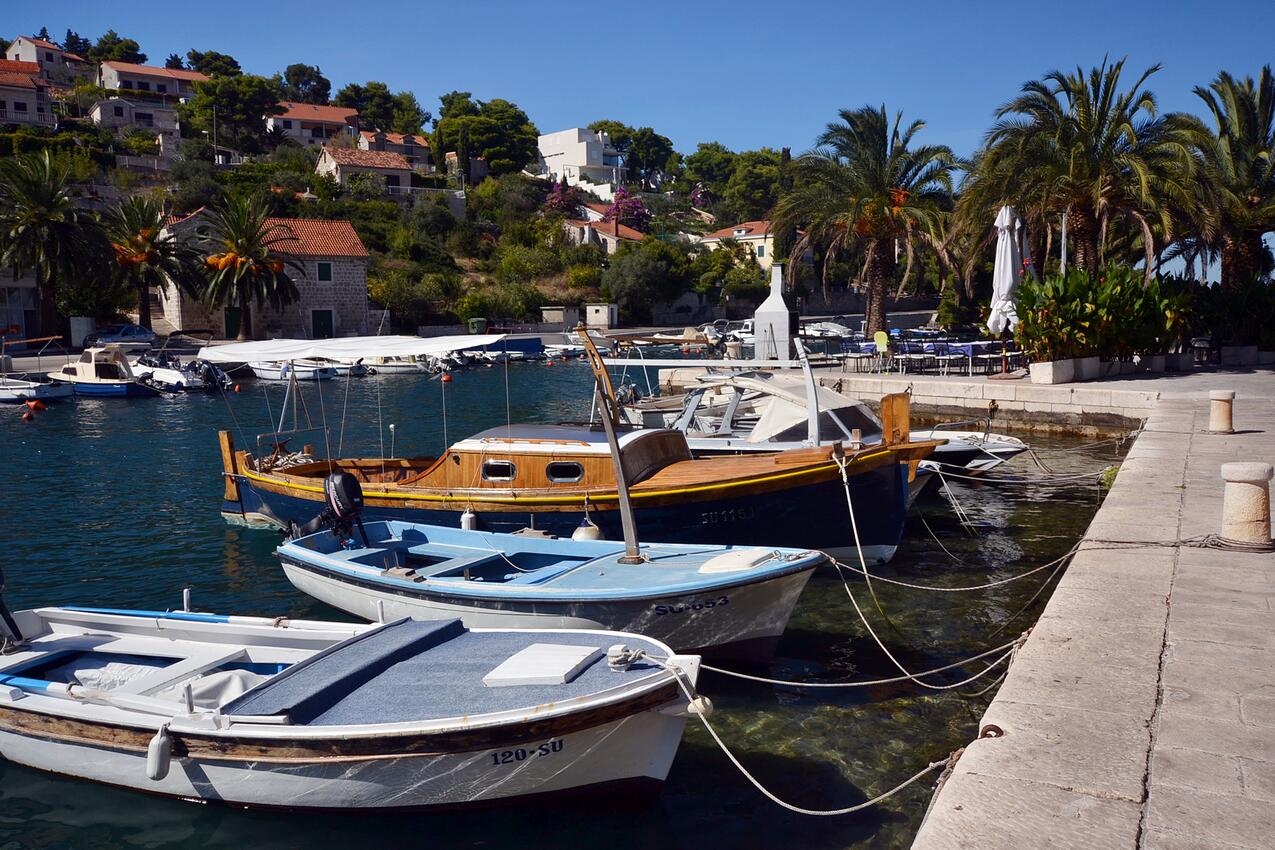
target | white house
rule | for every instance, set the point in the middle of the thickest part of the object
(312, 123)
(343, 163)
(413, 147)
(756, 236)
(24, 94)
(332, 285)
(149, 82)
(585, 158)
(56, 65)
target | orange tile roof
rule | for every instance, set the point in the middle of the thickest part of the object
(320, 238)
(156, 71)
(751, 230)
(16, 67)
(317, 112)
(397, 138)
(610, 228)
(368, 159)
(20, 81)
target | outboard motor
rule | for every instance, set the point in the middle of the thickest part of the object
(344, 498)
(9, 631)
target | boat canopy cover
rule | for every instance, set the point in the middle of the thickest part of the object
(343, 348)
(785, 413)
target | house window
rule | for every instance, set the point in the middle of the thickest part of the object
(161, 87)
(564, 472)
(48, 57)
(391, 180)
(119, 112)
(287, 124)
(499, 470)
(761, 250)
(324, 272)
(19, 106)
(141, 86)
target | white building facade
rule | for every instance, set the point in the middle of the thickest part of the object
(584, 158)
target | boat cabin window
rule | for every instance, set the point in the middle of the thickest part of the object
(110, 371)
(564, 472)
(499, 470)
(86, 357)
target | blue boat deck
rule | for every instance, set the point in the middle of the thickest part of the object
(486, 564)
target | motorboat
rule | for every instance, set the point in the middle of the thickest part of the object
(284, 370)
(105, 373)
(287, 714)
(719, 600)
(20, 388)
(165, 369)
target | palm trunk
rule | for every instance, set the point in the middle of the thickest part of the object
(907, 271)
(880, 270)
(1082, 232)
(1240, 258)
(245, 320)
(144, 305)
(46, 292)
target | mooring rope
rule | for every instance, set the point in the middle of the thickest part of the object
(957, 508)
(689, 693)
(1037, 479)
(969, 587)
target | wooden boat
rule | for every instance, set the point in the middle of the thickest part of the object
(549, 477)
(105, 373)
(295, 714)
(719, 600)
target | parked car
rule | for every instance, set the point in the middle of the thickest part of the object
(126, 336)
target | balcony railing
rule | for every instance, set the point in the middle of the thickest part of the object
(27, 117)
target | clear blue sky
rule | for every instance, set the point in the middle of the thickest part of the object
(744, 73)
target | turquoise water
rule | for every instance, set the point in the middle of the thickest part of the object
(115, 503)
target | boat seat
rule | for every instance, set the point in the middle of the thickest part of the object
(308, 689)
(180, 671)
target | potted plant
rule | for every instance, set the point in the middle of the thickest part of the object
(1047, 329)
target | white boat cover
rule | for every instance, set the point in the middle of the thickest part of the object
(344, 348)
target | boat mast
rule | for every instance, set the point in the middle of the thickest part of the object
(610, 410)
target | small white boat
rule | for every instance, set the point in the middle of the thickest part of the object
(722, 600)
(105, 373)
(166, 371)
(306, 715)
(20, 388)
(394, 365)
(282, 371)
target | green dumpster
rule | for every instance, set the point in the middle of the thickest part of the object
(478, 326)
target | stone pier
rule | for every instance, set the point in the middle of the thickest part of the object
(1140, 713)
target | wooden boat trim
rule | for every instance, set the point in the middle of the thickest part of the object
(333, 748)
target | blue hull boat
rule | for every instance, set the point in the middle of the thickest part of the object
(721, 600)
(121, 390)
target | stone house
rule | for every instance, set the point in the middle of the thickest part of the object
(332, 285)
(413, 147)
(753, 235)
(343, 163)
(313, 124)
(608, 235)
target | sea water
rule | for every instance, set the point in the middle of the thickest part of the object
(116, 503)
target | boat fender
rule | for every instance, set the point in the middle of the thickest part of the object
(469, 520)
(701, 705)
(587, 530)
(159, 755)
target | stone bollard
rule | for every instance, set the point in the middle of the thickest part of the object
(1246, 505)
(1220, 403)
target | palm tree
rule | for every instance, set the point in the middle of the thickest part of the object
(254, 261)
(43, 231)
(1239, 158)
(865, 186)
(1079, 144)
(145, 258)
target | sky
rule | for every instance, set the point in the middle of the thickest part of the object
(746, 74)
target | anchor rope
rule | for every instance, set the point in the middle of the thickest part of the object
(1006, 649)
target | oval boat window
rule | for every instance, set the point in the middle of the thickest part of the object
(564, 472)
(499, 470)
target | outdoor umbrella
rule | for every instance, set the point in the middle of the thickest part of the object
(1008, 270)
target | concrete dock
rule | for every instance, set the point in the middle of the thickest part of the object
(1140, 712)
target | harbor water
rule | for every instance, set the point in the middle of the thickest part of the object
(115, 503)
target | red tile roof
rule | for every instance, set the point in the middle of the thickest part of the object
(20, 81)
(320, 238)
(368, 159)
(317, 112)
(156, 71)
(16, 67)
(752, 230)
(610, 228)
(397, 138)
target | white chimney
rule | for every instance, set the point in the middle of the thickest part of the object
(774, 322)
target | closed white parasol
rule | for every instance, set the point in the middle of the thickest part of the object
(1012, 255)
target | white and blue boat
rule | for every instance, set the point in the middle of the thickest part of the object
(104, 373)
(305, 715)
(716, 600)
